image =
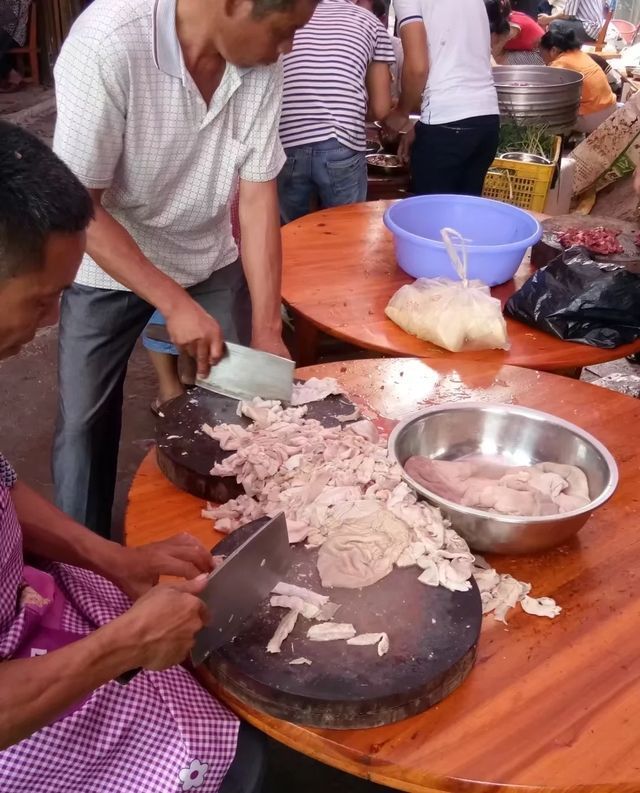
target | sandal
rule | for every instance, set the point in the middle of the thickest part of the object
(155, 406)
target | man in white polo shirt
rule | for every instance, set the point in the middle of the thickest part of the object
(163, 105)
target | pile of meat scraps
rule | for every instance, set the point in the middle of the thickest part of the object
(342, 493)
(527, 491)
(599, 240)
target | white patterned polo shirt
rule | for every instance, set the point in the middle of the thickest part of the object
(132, 122)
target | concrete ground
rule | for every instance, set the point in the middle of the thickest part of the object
(27, 413)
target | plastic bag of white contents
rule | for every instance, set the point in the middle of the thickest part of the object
(456, 315)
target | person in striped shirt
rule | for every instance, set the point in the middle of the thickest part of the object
(584, 17)
(336, 76)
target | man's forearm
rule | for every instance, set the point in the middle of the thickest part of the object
(52, 535)
(35, 691)
(413, 84)
(415, 68)
(262, 254)
(114, 249)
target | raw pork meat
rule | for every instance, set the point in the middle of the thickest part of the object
(314, 390)
(287, 624)
(364, 543)
(501, 593)
(331, 632)
(599, 240)
(367, 639)
(540, 607)
(325, 478)
(530, 491)
(308, 610)
(291, 590)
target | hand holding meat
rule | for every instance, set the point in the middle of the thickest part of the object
(195, 332)
(163, 623)
(139, 569)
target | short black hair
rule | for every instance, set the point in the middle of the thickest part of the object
(498, 12)
(563, 39)
(262, 8)
(38, 195)
(379, 9)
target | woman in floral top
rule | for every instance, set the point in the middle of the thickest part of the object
(77, 611)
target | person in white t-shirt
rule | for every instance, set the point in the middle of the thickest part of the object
(447, 74)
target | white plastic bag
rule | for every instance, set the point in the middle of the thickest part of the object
(456, 315)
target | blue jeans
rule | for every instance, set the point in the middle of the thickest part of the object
(336, 174)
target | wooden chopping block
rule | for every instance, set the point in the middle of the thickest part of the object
(433, 636)
(186, 454)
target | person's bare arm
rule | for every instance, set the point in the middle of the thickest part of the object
(50, 534)
(262, 261)
(156, 633)
(544, 20)
(378, 84)
(189, 325)
(415, 71)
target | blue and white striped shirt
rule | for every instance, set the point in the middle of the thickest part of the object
(325, 94)
(589, 12)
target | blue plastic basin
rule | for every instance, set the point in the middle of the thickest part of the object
(498, 236)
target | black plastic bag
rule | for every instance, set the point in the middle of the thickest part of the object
(579, 300)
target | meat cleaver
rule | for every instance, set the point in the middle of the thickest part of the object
(242, 373)
(237, 586)
(235, 589)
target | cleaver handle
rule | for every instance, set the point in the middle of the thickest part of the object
(127, 677)
(160, 333)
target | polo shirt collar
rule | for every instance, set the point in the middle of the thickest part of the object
(167, 53)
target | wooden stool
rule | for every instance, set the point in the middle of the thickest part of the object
(30, 52)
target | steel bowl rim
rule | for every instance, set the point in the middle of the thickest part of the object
(383, 154)
(525, 243)
(607, 493)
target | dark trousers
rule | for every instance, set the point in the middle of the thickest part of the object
(454, 158)
(6, 44)
(97, 332)
(246, 773)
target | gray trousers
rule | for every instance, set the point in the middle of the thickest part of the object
(97, 333)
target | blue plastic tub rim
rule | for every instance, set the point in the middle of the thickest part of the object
(526, 242)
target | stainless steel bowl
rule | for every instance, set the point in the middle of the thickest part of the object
(517, 436)
(531, 95)
(524, 156)
(386, 164)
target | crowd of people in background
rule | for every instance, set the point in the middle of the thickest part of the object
(343, 71)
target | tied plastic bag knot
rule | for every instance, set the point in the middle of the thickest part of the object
(460, 264)
(454, 314)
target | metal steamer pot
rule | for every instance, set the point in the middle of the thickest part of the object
(539, 95)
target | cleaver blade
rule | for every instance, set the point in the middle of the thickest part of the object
(244, 373)
(244, 580)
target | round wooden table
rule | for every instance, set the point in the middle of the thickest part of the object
(551, 705)
(340, 272)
